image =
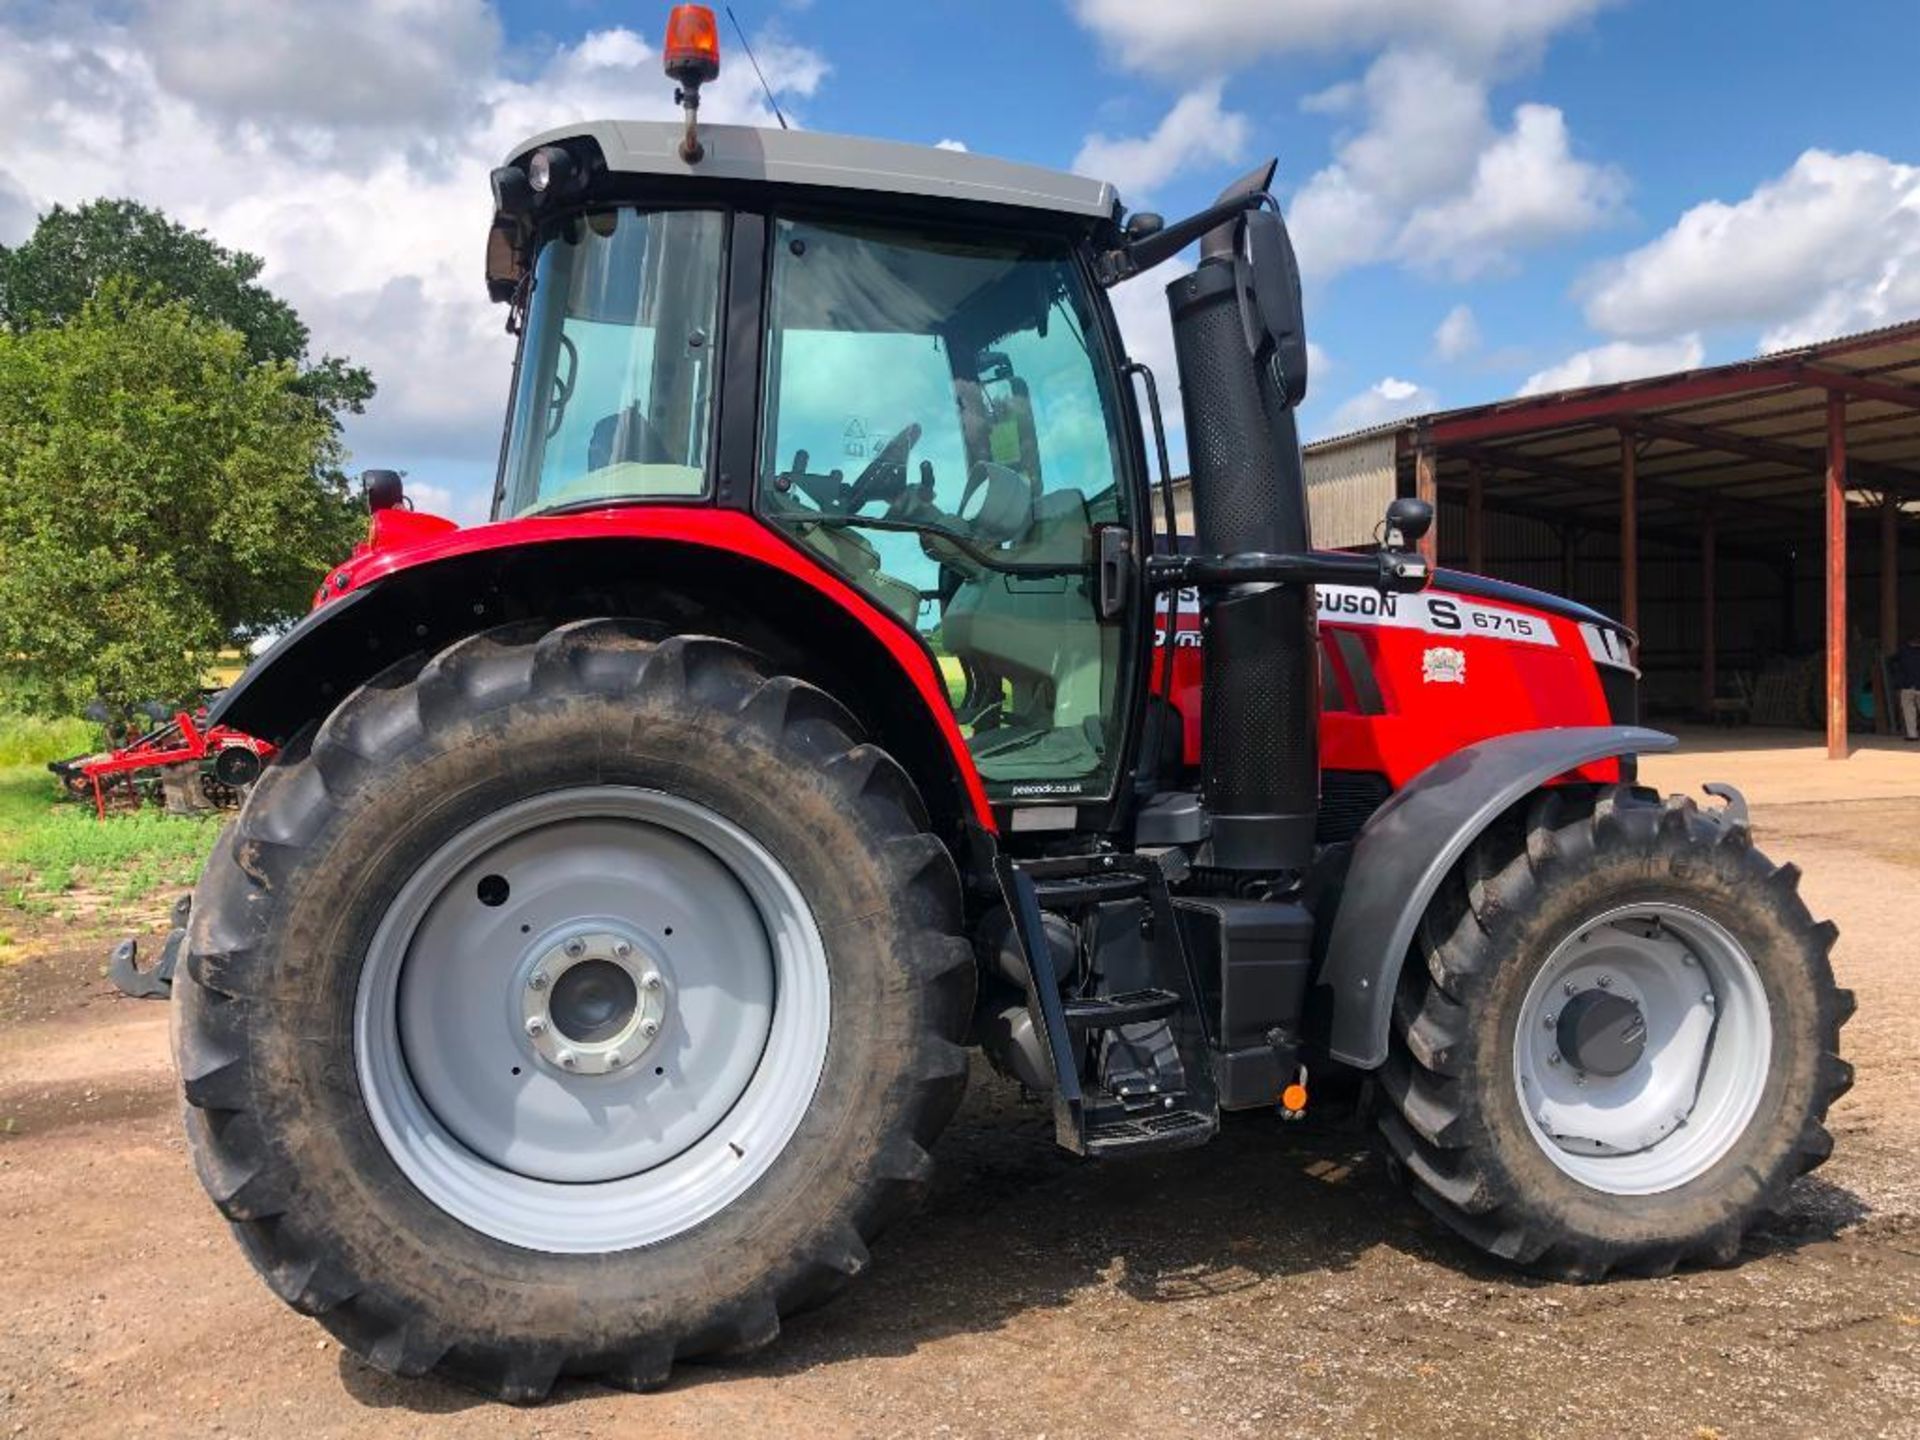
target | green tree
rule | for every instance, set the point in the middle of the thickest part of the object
(164, 494)
(74, 253)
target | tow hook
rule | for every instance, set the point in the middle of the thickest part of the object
(1735, 811)
(156, 982)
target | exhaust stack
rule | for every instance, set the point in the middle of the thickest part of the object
(1260, 776)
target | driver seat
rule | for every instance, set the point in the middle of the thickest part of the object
(626, 435)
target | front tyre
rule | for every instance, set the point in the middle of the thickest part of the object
(1617, 1039)
(570, 1004)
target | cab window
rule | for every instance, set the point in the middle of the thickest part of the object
(614, 394)
(940, 428)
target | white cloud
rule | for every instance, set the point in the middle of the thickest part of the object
(1528, 189)
(1386, 399)
(1830, 246)
(959, 145)
(1457, 335)
(1196, 131)
(374, 234)
(1430, 181)
(388, 63)
(1620, 360)
(1221, 35)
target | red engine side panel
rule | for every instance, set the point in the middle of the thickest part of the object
(407, 540)
(1408, 679)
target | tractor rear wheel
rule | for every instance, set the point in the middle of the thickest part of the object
(573, 1003)
(1616, 1040)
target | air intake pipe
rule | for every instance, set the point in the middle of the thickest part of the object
(1239, 383)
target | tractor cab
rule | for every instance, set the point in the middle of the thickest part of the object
(924, 390)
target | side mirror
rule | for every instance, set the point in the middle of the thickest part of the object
(1276, 291)
(1408, 520)
(383, 489)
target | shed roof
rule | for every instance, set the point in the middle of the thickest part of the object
(1746, 441)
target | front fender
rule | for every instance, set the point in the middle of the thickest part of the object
(1406, 849)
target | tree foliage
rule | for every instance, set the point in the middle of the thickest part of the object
(164, 492)
(73, 254)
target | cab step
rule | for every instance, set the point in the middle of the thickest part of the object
(1076, 891)
(1131, 1135)
(1163, 1094)
(1110, 1012)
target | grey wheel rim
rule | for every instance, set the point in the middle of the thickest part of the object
(592, 1020)
(1643, 1048)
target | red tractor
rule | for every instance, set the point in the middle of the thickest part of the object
(585, 982)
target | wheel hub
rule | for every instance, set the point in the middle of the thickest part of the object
(1641, 1048)
(1601, 1033)
(592, 1002)
(619, 922)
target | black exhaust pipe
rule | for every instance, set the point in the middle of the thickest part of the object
(1260, 766)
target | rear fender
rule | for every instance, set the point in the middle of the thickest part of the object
(700, 572)
(1406, 849)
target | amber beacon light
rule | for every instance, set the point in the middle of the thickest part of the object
(691, 57)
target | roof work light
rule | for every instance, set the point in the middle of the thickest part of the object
(691, 57)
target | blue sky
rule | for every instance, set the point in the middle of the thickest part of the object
(1588, 188)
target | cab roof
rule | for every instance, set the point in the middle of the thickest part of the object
(839, 162)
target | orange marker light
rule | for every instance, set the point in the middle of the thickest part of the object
(692, 51)
(1294, 1098)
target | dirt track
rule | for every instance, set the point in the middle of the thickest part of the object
(1274, 1283)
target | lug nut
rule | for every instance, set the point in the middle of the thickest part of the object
(1606, 982)
(1571, 988)
(537, 980)
(576, 948)
(1554, 1058)
(622, 949)
(1549, 1020)
(649, 1028)
(615, 1059)
(651, 980)
(536, 1027)
(567, 1059)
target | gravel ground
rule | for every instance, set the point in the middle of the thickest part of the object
(1274, 1283)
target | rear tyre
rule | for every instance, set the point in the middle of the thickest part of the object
(570, 1004)
(1616, 1040)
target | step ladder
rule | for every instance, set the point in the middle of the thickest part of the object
(1131, 1119)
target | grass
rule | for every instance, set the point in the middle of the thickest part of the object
(57, 861)
(30, 740)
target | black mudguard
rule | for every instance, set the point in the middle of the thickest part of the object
(1406, 849)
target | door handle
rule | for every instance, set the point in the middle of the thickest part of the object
(1114, 547)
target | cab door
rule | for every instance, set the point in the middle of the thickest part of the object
(942, 426)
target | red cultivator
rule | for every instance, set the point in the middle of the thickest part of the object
(188, 763)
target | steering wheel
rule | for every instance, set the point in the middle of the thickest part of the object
(885, 476)
(562, 388)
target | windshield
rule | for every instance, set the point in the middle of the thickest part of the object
(942, 430)
(615, 386)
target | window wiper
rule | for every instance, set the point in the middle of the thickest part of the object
(960, 542)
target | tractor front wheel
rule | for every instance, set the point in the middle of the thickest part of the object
(573, 1003)
(1616, 1040)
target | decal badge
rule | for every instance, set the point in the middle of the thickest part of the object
(1443, 665)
